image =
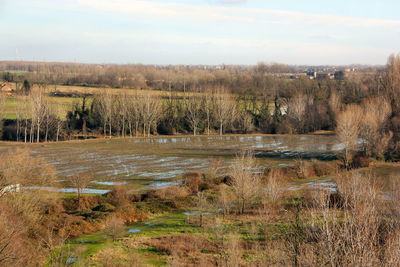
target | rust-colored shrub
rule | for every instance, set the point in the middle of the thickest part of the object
(361, 162)
(322, 168)
(119, 196)
(193, 181)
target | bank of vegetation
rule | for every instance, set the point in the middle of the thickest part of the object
(247, 217)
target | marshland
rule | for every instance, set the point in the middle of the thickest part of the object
(163, 133)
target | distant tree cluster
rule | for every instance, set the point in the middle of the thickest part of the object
(200, 100)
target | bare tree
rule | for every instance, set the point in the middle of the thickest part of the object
(348, 131)
(391, 82)
(60, 119)
(335, 102)
(50, 117)
(19, 116)
(20, 167)
(353, 237)
(246, 180)
(133, 113)
(150, 109)
(208, 107)
(100, 106)
(109, 108)
(124, 110)
(193, 107)
(10, 228)
(376, 113)
(245, 121)
(39, 105)
(104, 104)
(224, 108)
(297, 110)
(79, 181)
(2, 105)
(114, 227)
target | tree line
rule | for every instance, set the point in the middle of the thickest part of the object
(364, 110)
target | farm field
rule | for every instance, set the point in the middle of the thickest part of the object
(159, 161)
(67, 102)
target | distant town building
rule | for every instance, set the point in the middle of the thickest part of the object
(312, 74)
(340, 75)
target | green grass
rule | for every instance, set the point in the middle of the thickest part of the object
(67, 103)
(87, 245)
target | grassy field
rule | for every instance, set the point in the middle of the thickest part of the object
(12, 102)
(145, 242)
(66, 102)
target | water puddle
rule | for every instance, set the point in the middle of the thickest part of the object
(134, 230)
(110, 183)
(197, 213)
(68, 190)
(71, 260)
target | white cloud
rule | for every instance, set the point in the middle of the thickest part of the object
(230, 13)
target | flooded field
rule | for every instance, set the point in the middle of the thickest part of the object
(157, 162)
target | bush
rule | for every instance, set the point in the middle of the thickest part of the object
(193, 181)
(361, 162)
(106, 207)
(119, 196)
(114, 227)
(171, 192)
(322, 168)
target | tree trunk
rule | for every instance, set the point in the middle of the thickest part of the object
(123, 128)
(208, 125)
(18, 130)
(25, 131)
(220, 128)
(58, 131)
(149, 129)
(30, 133)
(110, 129)
(38, 131)
(47, 131)
(84, 130)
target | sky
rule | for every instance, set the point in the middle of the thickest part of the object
(211, 32)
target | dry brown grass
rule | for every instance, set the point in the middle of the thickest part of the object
(186, 250)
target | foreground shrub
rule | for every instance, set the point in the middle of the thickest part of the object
(357, 234)
(114, 227)
(172, 192)
(322, 168)
(193, 181)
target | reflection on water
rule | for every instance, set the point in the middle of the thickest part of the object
(161, 158)
(67, 190)
(119, 161)
(157, 160)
